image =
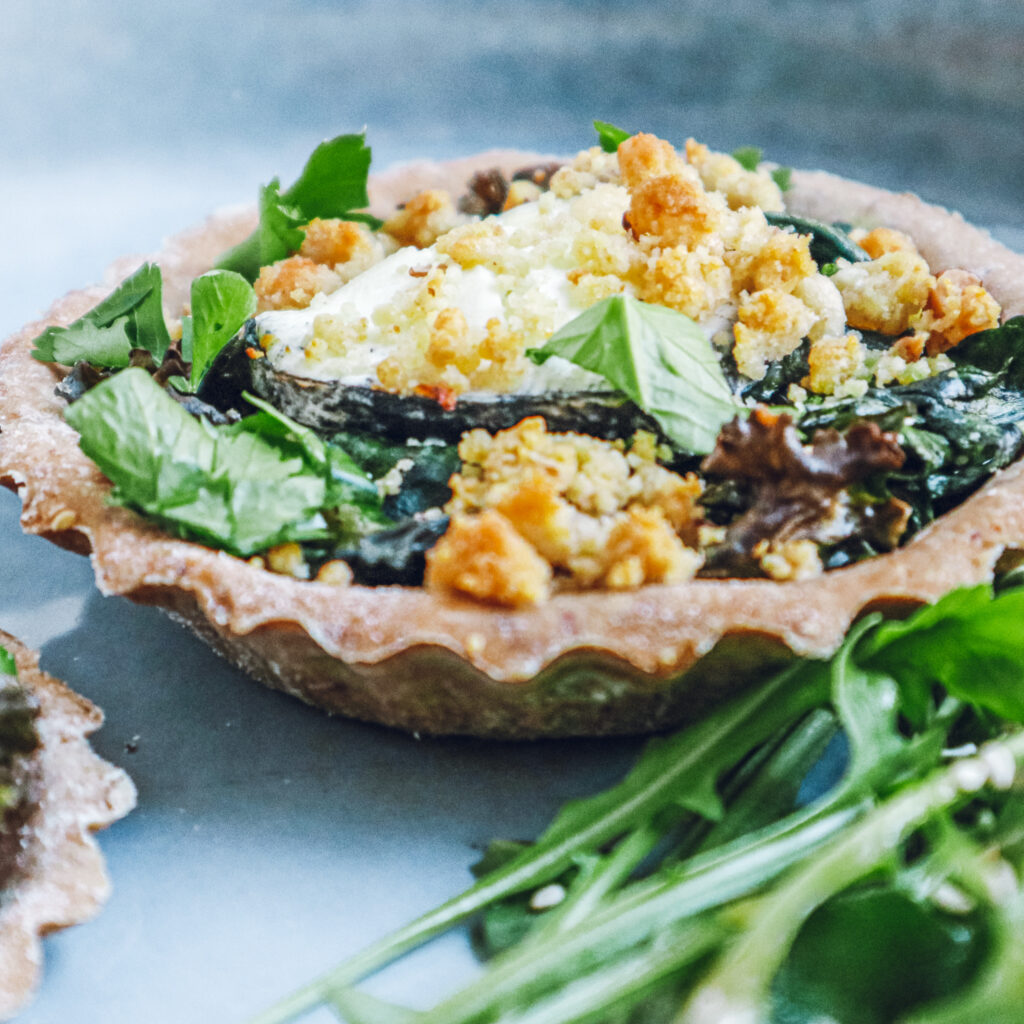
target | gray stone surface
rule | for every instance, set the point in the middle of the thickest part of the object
(269, 840)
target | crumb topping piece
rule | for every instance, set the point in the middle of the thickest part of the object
(594, 512)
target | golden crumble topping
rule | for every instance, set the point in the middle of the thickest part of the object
(885, 294)
(292, 283)
(423, 219)
(590, 509)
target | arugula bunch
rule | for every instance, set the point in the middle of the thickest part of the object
(703, 889)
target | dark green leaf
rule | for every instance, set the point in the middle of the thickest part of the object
(870, 956)
(130, 317)
(828, 242)
(221, 302)
(659, 359)
(609, 136)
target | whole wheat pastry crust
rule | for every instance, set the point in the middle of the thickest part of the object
(59, 878)
(582, 663)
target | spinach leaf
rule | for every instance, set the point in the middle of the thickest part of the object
(998, 351)
(610, 137)
(130, 317)
(221, 303)
(332, 184)
(244, 487)
(391, 555)
(658, 358)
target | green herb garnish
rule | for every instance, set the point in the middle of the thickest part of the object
(221, 303)
(332, 184)
(610, 137)
(658, 358)
(699, 889)
(244, 488)
(130, 317)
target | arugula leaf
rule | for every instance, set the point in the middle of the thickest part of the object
(332, 184)
(244, 488)
(130, 317)
(970, 642)
(610, 137)
(8, 666)
(221, 303)
(656, 357)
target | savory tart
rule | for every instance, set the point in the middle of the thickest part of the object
(54, 792)
(520, 447)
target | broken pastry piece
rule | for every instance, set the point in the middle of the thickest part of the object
(54, 793)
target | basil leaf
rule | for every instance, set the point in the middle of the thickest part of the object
(8, 666)
(221, 303)
(130, 317)
(332, 184)
(610, 137)
(230, 487)
(658, 358)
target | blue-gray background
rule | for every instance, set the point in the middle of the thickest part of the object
(269, 840)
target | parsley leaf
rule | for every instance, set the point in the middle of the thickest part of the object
(244, 488)
(332, 184)
(656, 357)
(609, 136)
(130, 317)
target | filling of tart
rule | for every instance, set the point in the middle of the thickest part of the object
(634, 368)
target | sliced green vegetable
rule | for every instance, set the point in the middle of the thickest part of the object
(130, 317)
(660, 359)
(332, 184)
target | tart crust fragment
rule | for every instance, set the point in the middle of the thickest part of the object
(59, 877)
(580, 664)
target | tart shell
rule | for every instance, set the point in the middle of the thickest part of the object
(59, 878)
(583, 663)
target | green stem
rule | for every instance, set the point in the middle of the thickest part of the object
(719, 740)
(737, 988)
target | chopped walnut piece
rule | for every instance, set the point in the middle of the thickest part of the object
(484, 556)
